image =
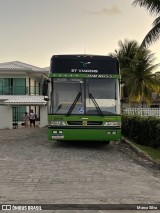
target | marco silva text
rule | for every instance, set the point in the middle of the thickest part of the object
(147, 207)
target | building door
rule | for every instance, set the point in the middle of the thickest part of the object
(15, 117)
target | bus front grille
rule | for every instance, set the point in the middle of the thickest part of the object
(85, 123)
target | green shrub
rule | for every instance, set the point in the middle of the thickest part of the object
(142, 130)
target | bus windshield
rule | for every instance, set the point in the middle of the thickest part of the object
(72, 96)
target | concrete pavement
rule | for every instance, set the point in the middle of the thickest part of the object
(34, 170)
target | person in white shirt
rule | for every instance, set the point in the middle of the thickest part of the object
(32, 118)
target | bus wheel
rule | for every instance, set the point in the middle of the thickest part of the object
(107, 142)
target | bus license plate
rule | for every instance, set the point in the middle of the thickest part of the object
(57, 137)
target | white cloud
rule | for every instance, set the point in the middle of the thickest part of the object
(105, 11)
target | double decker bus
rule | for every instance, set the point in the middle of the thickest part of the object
(84, 98)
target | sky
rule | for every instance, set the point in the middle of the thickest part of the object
(31, 31)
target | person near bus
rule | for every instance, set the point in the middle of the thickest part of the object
(26, 120)
(32, 118)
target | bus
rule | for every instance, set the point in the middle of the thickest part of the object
(84, 99)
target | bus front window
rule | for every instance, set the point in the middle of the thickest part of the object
(85, 96)
(102, 96)
(67, 96)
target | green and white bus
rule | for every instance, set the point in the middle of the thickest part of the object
(84, 98)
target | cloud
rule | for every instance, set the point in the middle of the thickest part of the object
(105, 11)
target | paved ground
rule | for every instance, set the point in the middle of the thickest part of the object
(34, 170)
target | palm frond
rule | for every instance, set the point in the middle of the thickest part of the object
(156, 21)
(152, 36)
(137, 66)
(153, 6)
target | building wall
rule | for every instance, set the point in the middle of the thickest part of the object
(32, 80)
(34, 86)
(43, 116)
(5, 117)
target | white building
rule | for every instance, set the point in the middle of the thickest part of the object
(21, 89)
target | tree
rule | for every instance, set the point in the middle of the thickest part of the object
(126, 52)
(137, 65)
(153, 6)
(139, 78)
(157, 92)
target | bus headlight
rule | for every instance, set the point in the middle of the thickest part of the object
(112, 123)
(58, 123)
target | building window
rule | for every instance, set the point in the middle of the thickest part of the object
(12, 86)
(19, 116)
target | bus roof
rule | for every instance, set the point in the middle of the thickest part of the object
(89, 64)
(87, 56)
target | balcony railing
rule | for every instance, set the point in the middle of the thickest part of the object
(20, 90)
(143, 111)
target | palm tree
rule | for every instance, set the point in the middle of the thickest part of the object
(157, 92)
(139, 78)
(153, 6)
(125, 52)
(136, 66)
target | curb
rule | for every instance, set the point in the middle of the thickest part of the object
(138, 151)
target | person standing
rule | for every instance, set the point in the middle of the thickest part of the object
(26, 120)
(32, 118)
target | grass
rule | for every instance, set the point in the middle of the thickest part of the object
(152, 152)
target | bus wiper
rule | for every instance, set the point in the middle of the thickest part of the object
(96, 105)
(73, 104)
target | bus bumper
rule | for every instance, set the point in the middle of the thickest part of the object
(111, 134)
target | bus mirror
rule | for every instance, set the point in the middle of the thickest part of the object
(46, 98)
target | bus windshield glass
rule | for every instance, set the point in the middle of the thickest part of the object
(72, 96)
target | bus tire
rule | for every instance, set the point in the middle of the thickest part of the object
(107, 142)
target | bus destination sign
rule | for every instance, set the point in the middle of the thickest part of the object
(83, 71)
(84, 66)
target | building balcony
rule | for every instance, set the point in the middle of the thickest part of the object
(20, 90)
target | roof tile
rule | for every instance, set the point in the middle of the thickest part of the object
(17, 65)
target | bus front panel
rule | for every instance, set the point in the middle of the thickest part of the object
(93, 128)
